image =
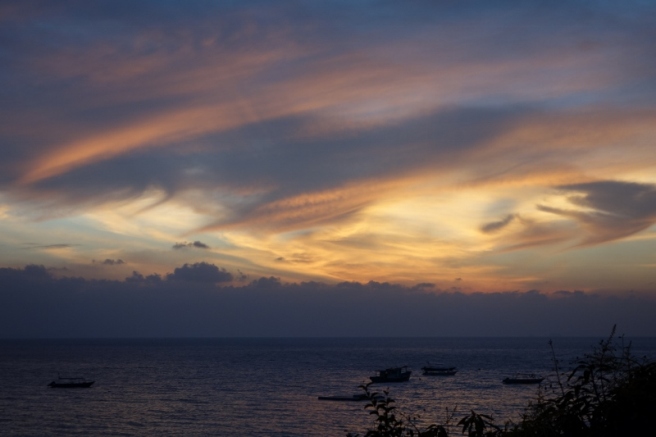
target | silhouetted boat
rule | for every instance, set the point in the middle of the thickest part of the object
(354, 398)
(523, 379)
(70, 383)
(393, 374)
(439, 371)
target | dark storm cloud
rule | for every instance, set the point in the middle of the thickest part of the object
(137, 277)
(112, 262)
(618, 208)
(200, 272)
(194, 245)
(149, 306)
(29, 274)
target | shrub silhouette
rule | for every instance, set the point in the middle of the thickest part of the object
(608, 393)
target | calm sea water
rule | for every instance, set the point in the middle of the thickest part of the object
(259, 387)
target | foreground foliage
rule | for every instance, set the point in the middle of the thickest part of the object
(608, 393)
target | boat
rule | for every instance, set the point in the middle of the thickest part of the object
(354, 398)
(523, 379)
(439, 370)
(392, 374)
(62, 382)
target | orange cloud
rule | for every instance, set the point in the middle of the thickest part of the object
(308, 209)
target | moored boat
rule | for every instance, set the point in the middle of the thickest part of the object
(354, 398)
(523, 379)
(70, 383)
(392, 374)
(439, 371)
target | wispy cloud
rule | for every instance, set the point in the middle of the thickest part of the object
(609, 210)
(495, 226)
(55, 246)
(415, 142)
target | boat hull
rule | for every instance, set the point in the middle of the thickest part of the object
(518, 381)
(380, 379)
(439, 371)
(54, 384)
(354, 398)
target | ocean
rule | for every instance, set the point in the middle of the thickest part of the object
(261, 387)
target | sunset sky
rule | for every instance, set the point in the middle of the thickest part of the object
(456, 147)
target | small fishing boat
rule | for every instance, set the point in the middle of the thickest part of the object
(392, 374)
(438, 370)
(354, 398)
(523, 379)
(62, 382)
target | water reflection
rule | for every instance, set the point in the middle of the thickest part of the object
(258, 387)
